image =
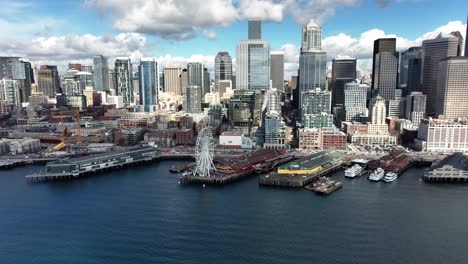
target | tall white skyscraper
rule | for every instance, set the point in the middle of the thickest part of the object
(311, 38)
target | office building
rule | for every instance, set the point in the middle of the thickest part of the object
(148, 84)
(312, 61)
(316, 102)
(172, 80)
(378, 116)
(206, 82)
(48, 80)
(101, 73)
(277, 70)
(321, 120)
(385, 68)
(415, 107)
(192, 96)
(215, 115)
(355, 101)
(87, 68)
(437, 135)
(124, 81)
(223, 69)
(253, 60)
(452, 88)
(343, 72)
(112, 85)
(183, 80)
(410, 70)
(255, 28)
(434, 51)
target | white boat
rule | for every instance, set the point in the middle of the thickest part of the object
(377, 175)
(353, 171)
(390, 176)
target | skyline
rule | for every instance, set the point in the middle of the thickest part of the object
(89, 28)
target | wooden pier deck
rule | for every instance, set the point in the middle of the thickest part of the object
(295, 180)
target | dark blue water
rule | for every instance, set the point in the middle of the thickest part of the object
(141, 215)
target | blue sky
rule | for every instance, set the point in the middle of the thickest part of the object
(188, 29)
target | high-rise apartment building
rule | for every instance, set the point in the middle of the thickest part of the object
(10, 92)
(124, 81)
(385, 68)
(277, 70)
(101, 73)
(172, 80)
(452, 88)
(434, 51)
(223, 68)
(315, 102)
(149, 84)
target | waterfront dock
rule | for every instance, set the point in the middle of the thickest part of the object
(257, 162)
(299, 173)
(452, 169)
(8, 164)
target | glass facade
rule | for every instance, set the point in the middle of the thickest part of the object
(259, 67)
(148, 84)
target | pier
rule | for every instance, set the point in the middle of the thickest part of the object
(296, 180)
(452, 169)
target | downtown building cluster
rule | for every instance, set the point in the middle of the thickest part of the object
(414, 97)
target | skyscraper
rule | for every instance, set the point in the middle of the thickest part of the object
(343, 71)
(312, 61)
(183, 80)
(385, 68)
(192, 99)
(21, 71)
(172, 80)
(101, 73)
(434, 51)
(149, 84)
(316, 101)
(466, 39)
(48, 80)
(355, 96)
(277, 70)
(223, 68)
(253, 61)
(206, 82)
(124, 80)
(415, 107)
(195, 74)
(255, 28)
(378, 116)
(410, 70)
(452, 88)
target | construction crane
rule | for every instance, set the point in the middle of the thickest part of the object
(64, 130)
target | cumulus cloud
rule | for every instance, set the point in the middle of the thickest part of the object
(185, 19)
(361, 47)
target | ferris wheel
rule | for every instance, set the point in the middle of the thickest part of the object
(204, 153)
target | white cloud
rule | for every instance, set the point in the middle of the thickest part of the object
(343, 45)
(185, 19)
